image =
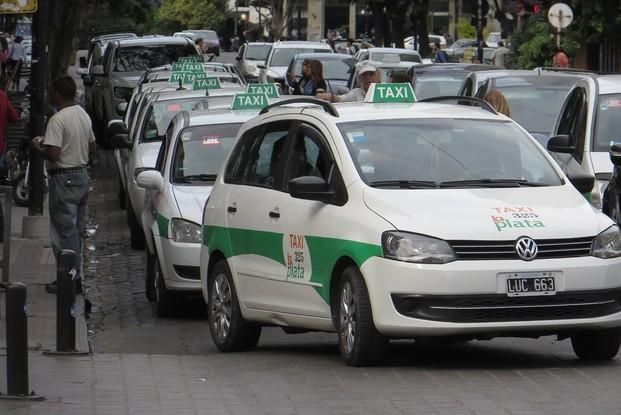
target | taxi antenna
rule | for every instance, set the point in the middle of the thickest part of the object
(180, 85)
(206, 92)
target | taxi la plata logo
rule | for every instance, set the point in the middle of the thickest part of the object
(508, 217)
(297, 257)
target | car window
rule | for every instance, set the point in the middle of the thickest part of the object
(283, 56)
(608, 122)
(390, 57)
(201, 150)
(164, 111)
(307, 156)
(444, 150)
(257, 52)
(338, 69)
(265, 162)
(433, 85)
(160, 163)
(141, 58)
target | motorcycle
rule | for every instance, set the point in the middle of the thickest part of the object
(18, 172)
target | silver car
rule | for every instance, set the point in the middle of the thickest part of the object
(249, 56)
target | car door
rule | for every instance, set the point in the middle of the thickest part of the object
(308, 250)
(253, 221)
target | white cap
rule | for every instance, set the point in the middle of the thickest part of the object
(367, 66)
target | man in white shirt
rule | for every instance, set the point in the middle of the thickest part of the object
(368, 73)
(66, 147)
(17, 57)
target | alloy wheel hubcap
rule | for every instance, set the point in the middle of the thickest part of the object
(347, 318)
(221, 307)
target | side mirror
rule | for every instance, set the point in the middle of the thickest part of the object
(120, 141)
(239, 58)
(615, 154)
(116, 127)
(121, 108)
(311, 188)
(583, 182)
(149, 179)
(98, 70)
(83, 63)
(81, 72)
(561, 144)
(87, 80)
(261, 66)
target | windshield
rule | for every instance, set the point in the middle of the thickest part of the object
(535, 103)
(607, 122)
(385, 73)
(392, 57)
(441, 151)
(201, 151)
(141, 58)
(162, 112)
(257, 52)
(283, 56)
(339, 69)
(427, 85)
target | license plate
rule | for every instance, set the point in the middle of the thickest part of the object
(523, 284)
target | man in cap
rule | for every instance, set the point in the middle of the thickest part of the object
(368, 73)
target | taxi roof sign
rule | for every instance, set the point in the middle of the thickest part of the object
(268, 89)
(188, 59)
(249, 101)
(390, 93)
(210, 82)
(184, 77)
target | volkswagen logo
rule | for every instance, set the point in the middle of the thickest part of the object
(526, 248)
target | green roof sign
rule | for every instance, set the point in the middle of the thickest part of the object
(189, 59)
(268, 89)
(249, 101)
(193, 67)
(206, 83)
(177, 67)
(390, 93)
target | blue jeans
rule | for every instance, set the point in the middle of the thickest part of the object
(68, 197)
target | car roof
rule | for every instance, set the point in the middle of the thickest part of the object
(468, 67)
(299, 44)
(609, 84)
(113, 36)
(220, 116)
(185, 93)
(392, 50)
(157, 40)
(258, 43)
(322, 55)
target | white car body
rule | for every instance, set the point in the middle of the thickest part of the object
(286, 254)
(274, 68)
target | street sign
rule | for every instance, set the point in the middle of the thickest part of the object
(18, 6)
(560, 15)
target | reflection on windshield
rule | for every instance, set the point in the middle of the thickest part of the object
(141, 58)
(417, 151)
(164, 111)
(257, 52)
(608, 122)
(430, 85)
(283, 56)
(340, 69)
(201, 150)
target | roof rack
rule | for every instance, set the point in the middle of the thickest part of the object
(327, 106)
(568, 70)
(463, 100)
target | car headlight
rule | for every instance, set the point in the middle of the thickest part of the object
(185, 231)
(607, 244)
(121, 92)
(411, 247)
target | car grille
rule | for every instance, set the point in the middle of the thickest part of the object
(190, 273)
(548, 248)
(496, 307)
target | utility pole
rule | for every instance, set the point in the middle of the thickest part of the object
(480, 31)
(452, 20)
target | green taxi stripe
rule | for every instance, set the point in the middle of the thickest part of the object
(162, 225)
(324, 252)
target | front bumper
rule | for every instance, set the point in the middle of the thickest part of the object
(470, 297)
(180, 265)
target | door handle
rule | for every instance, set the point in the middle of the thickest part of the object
(231, 209)
(274, 214)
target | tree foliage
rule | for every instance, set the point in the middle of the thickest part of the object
(191, 14)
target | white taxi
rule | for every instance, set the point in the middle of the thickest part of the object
(195, 146)
(404, 220)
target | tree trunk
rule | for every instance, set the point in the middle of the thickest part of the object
(419, 24)
(64, 17)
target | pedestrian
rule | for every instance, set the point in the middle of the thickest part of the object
(439, 54)
(499, 57)
(312, 81)
(351, 49)
(399, 77)
(368, 73)
(7, 115)
(560, 59)
(4, 58)
(17, 56)
(497, 100)
(198, 44)
(68, 144)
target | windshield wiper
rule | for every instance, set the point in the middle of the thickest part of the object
(196, 177)
(492, 183)
(405, 184)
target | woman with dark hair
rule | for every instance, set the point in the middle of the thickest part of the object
(312, 80)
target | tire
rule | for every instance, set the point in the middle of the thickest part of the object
(21, 195)
(164, 299)
(229, 331)
(149, 282)
(360, 343)
(597, 344)
(136, 234)
(122, 196)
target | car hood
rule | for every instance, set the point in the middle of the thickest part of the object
(601, 162)
(277, 72)
(489, 214)
(148, 153)
(129, 78)
(191, 200)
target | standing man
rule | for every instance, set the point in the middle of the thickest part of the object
(68, 142)
(368, 73)
(439, 54)
(499, 57)
(17, 57)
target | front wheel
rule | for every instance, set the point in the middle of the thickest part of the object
(21, 194)
(360, 343)
(164, 298)
(136, 234)
(597, 344)
(229, 331)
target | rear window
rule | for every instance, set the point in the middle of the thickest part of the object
(283, 56)
(141, 58)
(257, 52)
